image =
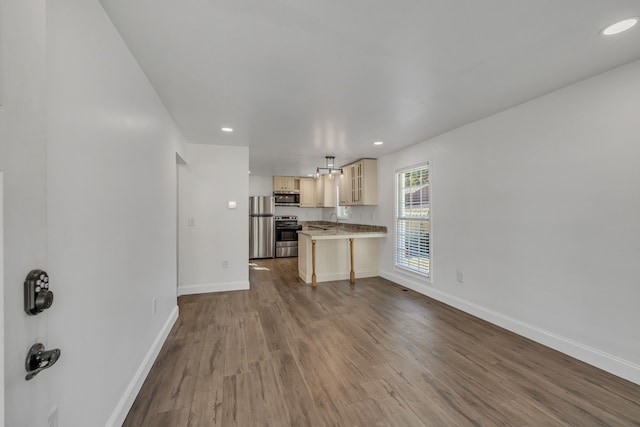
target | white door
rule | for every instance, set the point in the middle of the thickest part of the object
(1, 302)
(23, 153)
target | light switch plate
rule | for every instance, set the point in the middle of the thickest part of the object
(232, 204)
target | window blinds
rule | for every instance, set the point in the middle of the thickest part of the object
(412, 234)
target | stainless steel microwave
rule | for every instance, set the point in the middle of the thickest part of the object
(287, 199)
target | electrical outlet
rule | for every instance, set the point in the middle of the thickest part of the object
(191, 222)
(225, 263)
(154, 306)
(460, 276)
(53, 417)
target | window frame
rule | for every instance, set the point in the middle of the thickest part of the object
(417, 273)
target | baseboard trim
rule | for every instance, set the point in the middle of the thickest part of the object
(600, 359)
(206, 288)
(126, 401)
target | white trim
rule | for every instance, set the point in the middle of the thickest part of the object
(396, 202)
(414, 166)
(411, 274)
(206, 288)
(598, 358)
(126, 401)
(2, 298)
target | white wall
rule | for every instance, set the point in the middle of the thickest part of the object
(357, 215)
(303, 214)
(23, 160)
(538, 207)
(214, 176)
(111, 174)
(260, 185)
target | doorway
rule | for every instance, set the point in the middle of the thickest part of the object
(180, 162)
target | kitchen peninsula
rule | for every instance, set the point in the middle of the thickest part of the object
(328, 252)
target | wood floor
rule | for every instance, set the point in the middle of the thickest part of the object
(283, 354)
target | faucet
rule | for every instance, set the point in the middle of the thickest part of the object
(334, 213)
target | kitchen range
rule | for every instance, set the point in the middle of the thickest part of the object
(287, 236)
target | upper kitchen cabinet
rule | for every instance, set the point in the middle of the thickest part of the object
(307, 192)
(286, 183)
(326, 191)
(359, 183)
(344, 187)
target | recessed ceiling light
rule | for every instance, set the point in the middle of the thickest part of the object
(249, 171)
(378, 143)
(619, 27)
(310, 174)
(227, 129)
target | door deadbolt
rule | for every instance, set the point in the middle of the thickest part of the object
(37, 296)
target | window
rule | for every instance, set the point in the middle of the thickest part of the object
(413, 220)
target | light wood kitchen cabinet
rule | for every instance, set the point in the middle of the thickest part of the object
(286, 183)
(359, 184)
(344, 187)
(307, 192)
(325, 186)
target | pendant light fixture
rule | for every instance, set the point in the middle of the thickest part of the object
(329, 169)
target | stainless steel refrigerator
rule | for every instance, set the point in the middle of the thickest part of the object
(262, 234)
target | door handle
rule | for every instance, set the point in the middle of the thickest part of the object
(39, 359)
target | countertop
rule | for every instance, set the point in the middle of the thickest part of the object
(343, 231)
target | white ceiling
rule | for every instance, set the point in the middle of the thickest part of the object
(299, 79)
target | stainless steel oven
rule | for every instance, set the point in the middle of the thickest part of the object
(287, 236)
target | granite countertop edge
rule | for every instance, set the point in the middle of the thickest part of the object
(345, 226)
(345, 230)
